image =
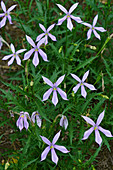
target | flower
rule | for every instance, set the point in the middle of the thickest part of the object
(23, 118)
(6, 14)
(68, 16)
(46, 33)
(93, 28)
(64, 122)
(54, 88)
(1, 44)
(96, 128)
(82, 84)
(37, 116)
(36, 49)
(51, 147)
(14, 55)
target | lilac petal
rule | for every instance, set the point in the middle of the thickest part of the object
(54, 156)
(96, 35)
(11, 8)
(39, 121)
(44, 56)
(106, 132)
(88, 120)
(11, 61)
(45, 140)
(33, 117)
(44, 153)
(9, 18)
(76, 78)
(3, 6)
(39, 36)
(65, 123)
(69, 24)
(77, 19)
(19, 123)
(62, 93)
(42, 27)
(55, 98)
(41, 42)
(2, 23)
(87, 133)
(62, 8)
(98, 138)
(12, 48)
(83, 91)
(20, 51)
(26, 124)
(59, 81)
(47, 94)
(73, 7)
(62, 121)
(3, 14)
(61, 148)
(85, 76)
(76, 88)
(30, 41)
(52, 37)
(35, 59)
(50, 27)
(90, 86)
(100, 29)
(47, 81)
(46, 40)
(18, 60)
(86, 24)
(60, 21)
(56, 137)
(100, 118)
(95, 20)
(28, 54)
(89, 34)
(7, 57)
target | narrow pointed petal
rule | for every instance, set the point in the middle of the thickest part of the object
(42, 27)
(47, 94)
(95, 20)
(39, 121)
(86, 24)
(20, 51)
(46, 39)
(85, 76)
(62, 8)
(41, 42)
(44, 153)
(73, 7)
(28, 54)
(39, 37)
(96, 35)
(7, 57)
(33, 117)
(43, 55)
(65, 123)
(69, 24)
(19, 123)
(59, 81)
(89, 120)
(100, 118)
(3, 14)
(2, 23)
(18, 60)
(11, 61)
(77, 19)
(76, 78)
(56, 137)
(55, 98)
(62, 93)
(50, 27)
(52, 37)
(12, 48)
(61, 148)
(106, 132)
(3, 6)
(9, 18)
(76, 88)
(47, 81)
(45, 140)
(62, 121)
(26, 124)
(87, 133)
(83, 91)
(89, 34)
(90, 86)
(11, 8)
(60, 21)
(35, 59)
(100, 29)
(30, 41)
(98, 138)
(54, 156)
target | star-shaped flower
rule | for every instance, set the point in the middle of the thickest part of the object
(93, 28)
(54, 88)
(68, 16)
(46, 34)
(96, 128)
(64, 122)
(6, 14)
(37, 116)
(52, 147)
(82, 84)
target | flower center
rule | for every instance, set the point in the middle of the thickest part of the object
(54, 88)
(22, 116)
(95, 128)
(14, 55)
(68, 16)
(36, 49)
(6, 14)
(51, 146)
(46, 33)
(92, 28)
(81, 84)
(64, 118)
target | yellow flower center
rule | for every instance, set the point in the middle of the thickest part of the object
(95, 128)
(6, 14)
(46, 34)
(22, 116)
(51, 147)
(36, 49)
(14, 55)
(92, 28)
(54, 88)
(81, 84)
(68, 16)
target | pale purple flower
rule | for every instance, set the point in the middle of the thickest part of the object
(14, 55)
(36, 49)
(52, 147)
(54, 88)
(36, 115)
(1, 44)
(64, 122)
(46, 34)
(68, 16)
(22, 120)
(82, 84)
(96, 128)
(6, 14)
(93, 28)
